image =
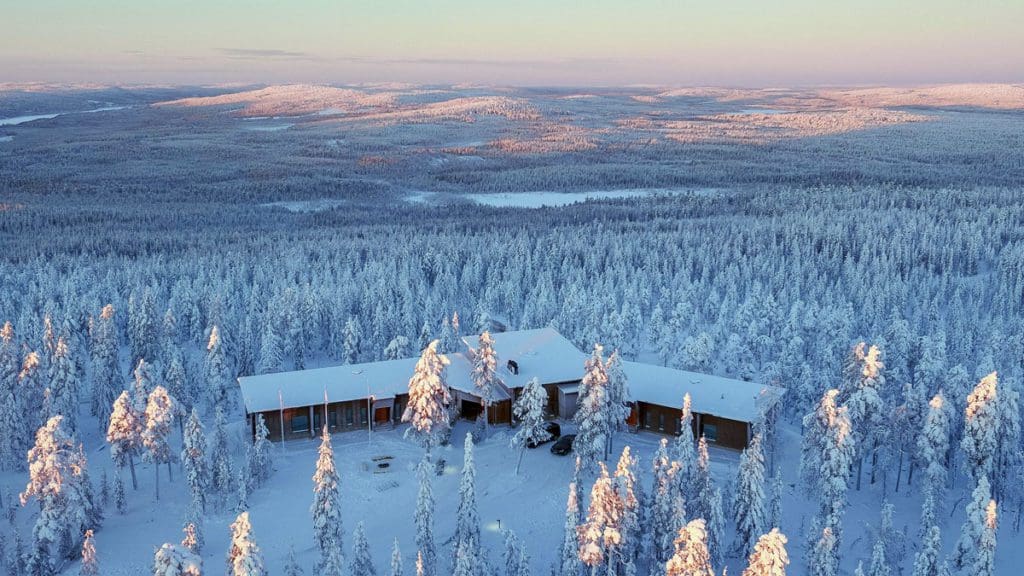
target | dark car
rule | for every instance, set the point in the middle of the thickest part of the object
(554, 431)
(564, 445)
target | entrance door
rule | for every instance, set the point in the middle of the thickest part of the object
(471, 410)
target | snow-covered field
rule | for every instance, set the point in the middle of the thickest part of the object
(540, 199)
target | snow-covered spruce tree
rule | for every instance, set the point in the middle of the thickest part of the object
(90, 565)
(824, 555)
(424, 520)
(691, 556)
(177, 385)
(863, 380)
(242, 486)
(815, 426)
(932, 448)
(125, 434)
(220, 456)
(981, 427)
(600, 536)
(466, 539)
(716, 527)
(703, 489)
(750, 512)
(429, 398)
(985, 558)
(291, 565)
(517, 561)
(927, 562)
(32, 394)
(58, 482)
(685, 452)
(879, 565)
(769, 557)
(160, 411)
(969, 543)
(619, 396)
(64, 385)
(775, 500)
(10, 421)
(326, 509)
(591, 416)
(142, 325)
(142, 385)
(397, 568)
(397, 349)
(244, 558)
(120, 500)
(836, 464)
(260, 464)
(106, 375)
(664, 495)
(271, 348)
(485, 371)
(569, 560)
(362, 563)
(466, 563)
(1008, 455)
(193, 459)
(352, 341)
(173, 560)
(217, 373)
(624, 482)
(528, 410)
(193, 539)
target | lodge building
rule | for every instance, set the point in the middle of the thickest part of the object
(362, 396)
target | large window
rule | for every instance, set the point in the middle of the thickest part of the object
(661, 421)
(300, 423)
(349, 415)
(362, 414)
(711, 432)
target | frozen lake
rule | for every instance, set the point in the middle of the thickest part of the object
(15, 120)
(554, 199)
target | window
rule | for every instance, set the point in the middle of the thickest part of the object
(711, 432)
(300, 423)
(318, 418)
(661, 421)
(349, 415)
(648, 419)
(332, 416)
(362, 414)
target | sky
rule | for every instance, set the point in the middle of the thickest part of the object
(756, 43)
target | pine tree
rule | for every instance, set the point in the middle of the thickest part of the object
(429, 398)
(244, 558)
(291, 565)
(467, 521)
(142, 385)
(569, 560)
(243, 491)
(352, 342)
(769, 557)
(397, 348)
(159, 418)
(517, 561)
(691, 556)
(824, 560)
(193, 459)
(396, 560)
(193, 540)
(105, 371)
(751, 516)
(627, 491)
(90, 566)
(932, 447)
(981, 426)
(10, 422)
(120, 501)
(969, 544)
(424, 519)
(836, 462)
(775, 500)
(528, 410)
(362, 564)
(664, 494)
(716, 527)
(861, 386)
(104, 489)
(64, 385)
(260, 464)
(619, 396)
(271, 352)
(879, 565)
(600, 536)
(220, 455)
(985, 559)
(685, 451)
(215, 368)
(326, 509)
(58, 481)
(125, 434)
(591, 416)
(926, 563)
(815, 426)
(702, 487)
(171, 560)
(485, 371)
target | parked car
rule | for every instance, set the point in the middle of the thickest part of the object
(554, 431)
(564, 445)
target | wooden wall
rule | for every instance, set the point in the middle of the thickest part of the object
(664, 420)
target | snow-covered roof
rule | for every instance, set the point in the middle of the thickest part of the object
(543, 354)
(714, 395)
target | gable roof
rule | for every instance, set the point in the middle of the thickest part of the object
(543, 354)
